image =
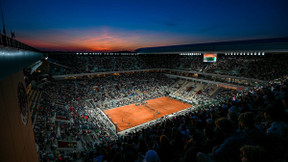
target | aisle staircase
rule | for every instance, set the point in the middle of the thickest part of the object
(33, 97)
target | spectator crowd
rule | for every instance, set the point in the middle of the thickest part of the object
(250, 125)
(257, 67)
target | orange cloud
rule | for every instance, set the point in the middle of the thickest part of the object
(100, 39)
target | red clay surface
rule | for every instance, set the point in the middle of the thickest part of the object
(131, 115)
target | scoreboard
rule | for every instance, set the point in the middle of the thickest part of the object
(210, 57)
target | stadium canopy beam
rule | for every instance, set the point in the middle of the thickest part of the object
(13, 60)
(257, 45)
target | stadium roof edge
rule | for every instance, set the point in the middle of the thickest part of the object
(265, 45)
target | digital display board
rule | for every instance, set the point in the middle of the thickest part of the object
(210, 57)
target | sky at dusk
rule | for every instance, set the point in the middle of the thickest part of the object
(106, 25)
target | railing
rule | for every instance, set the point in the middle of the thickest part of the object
(108, 122)
(10, 42)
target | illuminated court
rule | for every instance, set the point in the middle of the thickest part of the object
(131, 115)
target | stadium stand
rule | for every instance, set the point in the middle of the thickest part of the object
(70, 123)
(239, 105)
(267, 66)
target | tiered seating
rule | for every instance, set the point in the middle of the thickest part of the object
(254, 118)
(33, 97)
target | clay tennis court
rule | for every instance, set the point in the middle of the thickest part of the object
(131, 115)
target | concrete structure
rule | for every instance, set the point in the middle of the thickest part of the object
(16, 137)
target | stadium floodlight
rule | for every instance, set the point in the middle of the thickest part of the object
(259, 53)
(263, 53)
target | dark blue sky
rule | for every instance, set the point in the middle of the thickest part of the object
(104, 25)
